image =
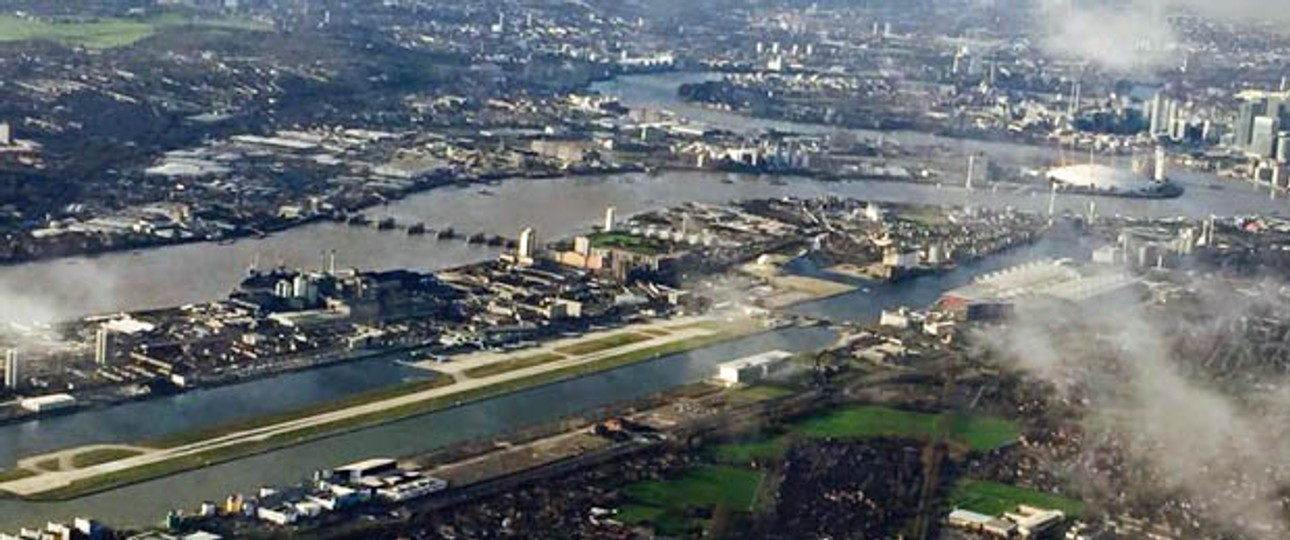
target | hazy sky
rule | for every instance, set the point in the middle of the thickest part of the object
(1134, 35)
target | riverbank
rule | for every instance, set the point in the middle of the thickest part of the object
(791, 289)
(92, 250)
(220, 446)
(94, 402)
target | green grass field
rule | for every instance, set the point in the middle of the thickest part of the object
(668, 504)
(993, 499)
(635, 244)
(753, 394)
(98, 34)
(635, 514)
(504, 366)
(51, 464)
(101, 455)
(107, 32)
(981, 434)
(603, 344)
(15, 474)
(700, 488)
(743, 453)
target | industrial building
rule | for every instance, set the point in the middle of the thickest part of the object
(1033, 522)
(751, 369)
(1098, 179)
(981, 524)
(355, 472)
(335, 490)
(78, 529)
(413, 489)
(1022, 522)
(995, 295)
(52, 402)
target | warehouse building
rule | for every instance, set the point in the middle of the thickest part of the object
(366, 469)
(52, 402)
(995, 295)
(968, 520)
(751, 369)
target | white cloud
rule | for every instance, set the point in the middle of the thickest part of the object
(1135, 35)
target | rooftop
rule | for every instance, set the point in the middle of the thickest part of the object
(1101, 177)
(1054, 278)
(757, 359)
(627, 242)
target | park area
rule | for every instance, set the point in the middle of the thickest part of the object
(979, 434)
(976, 433)
(735, 481)
(107, 32)
(680, 505)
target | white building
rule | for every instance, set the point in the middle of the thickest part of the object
(1097, 178)
(610, 218)
(895, 258)
(1032, 521)
(415, 489)
(12, 369)
(1263, 142)
(366, 468)
(981, 523)
(48, 403)
(898, 318)
(103, 346)
(528, 244)
(281, 515)
(752, 368)
(994, 295)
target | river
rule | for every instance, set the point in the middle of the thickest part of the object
(144, 503)
(556, 207)
(71, 287)
(66, 288)
(147, 503)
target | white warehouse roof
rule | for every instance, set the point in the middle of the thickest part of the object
(1053, 278)
(1100, 177)
(756, 360)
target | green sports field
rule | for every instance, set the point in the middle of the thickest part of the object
(977, 433)
(107, 32)
(991, 498)
(668, 505)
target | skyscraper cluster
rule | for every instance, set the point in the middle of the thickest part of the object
(1171, 119)
(1258, 130)
(1174, 120)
